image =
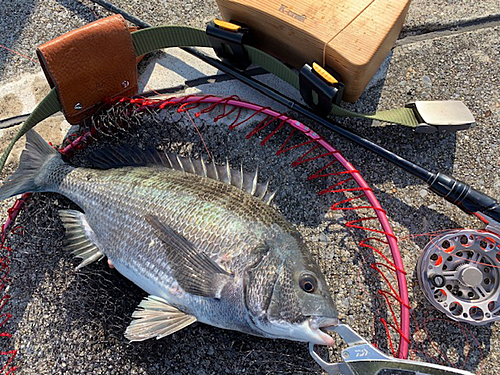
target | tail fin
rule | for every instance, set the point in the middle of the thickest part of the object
(36, 153)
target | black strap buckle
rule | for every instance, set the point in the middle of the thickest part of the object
(227, 39)
(320, 89)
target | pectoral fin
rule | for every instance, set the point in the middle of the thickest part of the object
(154, 317)
(195, 272)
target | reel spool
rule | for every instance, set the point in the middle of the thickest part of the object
(459, 273)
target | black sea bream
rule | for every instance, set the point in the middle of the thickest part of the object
(200, 239)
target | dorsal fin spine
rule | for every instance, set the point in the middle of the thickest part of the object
(168, 159)
(269, 198)
(255, 181)
(180, 163)
(264, 190)
(228, 172)
(241, 177)
(193, 168)
(204, 167)
(216, 170)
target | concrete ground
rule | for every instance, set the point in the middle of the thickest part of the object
(69, 322)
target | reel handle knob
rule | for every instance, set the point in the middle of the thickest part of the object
(438, 281)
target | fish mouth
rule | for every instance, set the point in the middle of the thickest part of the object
(320, 326)
(313, 329)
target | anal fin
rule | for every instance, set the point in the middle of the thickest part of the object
(80, 237)
(154, 317)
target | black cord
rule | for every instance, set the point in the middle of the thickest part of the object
(113, 8)
(13, 121)
(10, 122)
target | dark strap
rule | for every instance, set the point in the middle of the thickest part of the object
(153, 38)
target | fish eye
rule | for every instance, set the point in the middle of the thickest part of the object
(308, 283)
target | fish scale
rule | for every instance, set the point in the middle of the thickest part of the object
(172, 199)
(201, 239)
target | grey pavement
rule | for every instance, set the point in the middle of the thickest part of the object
(69, 322)
(429, 15)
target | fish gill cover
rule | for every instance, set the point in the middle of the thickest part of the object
(73, 322)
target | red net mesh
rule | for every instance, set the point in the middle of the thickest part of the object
(348, 196)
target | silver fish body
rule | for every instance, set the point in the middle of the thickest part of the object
(202, 248)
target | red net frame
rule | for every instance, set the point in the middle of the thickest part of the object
(379, 238)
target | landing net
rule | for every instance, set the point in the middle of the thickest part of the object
(351, 203)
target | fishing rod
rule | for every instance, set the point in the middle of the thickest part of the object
(459, 193)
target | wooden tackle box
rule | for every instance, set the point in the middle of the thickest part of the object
(352, 37)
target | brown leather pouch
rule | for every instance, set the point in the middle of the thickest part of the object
(89, 65)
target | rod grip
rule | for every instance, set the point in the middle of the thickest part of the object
(465, 197)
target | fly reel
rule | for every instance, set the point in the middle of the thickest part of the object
(459, 273)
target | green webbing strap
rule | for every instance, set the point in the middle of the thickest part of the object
(47, 107)
(273, 66)
(154, 38)
(401, 116)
